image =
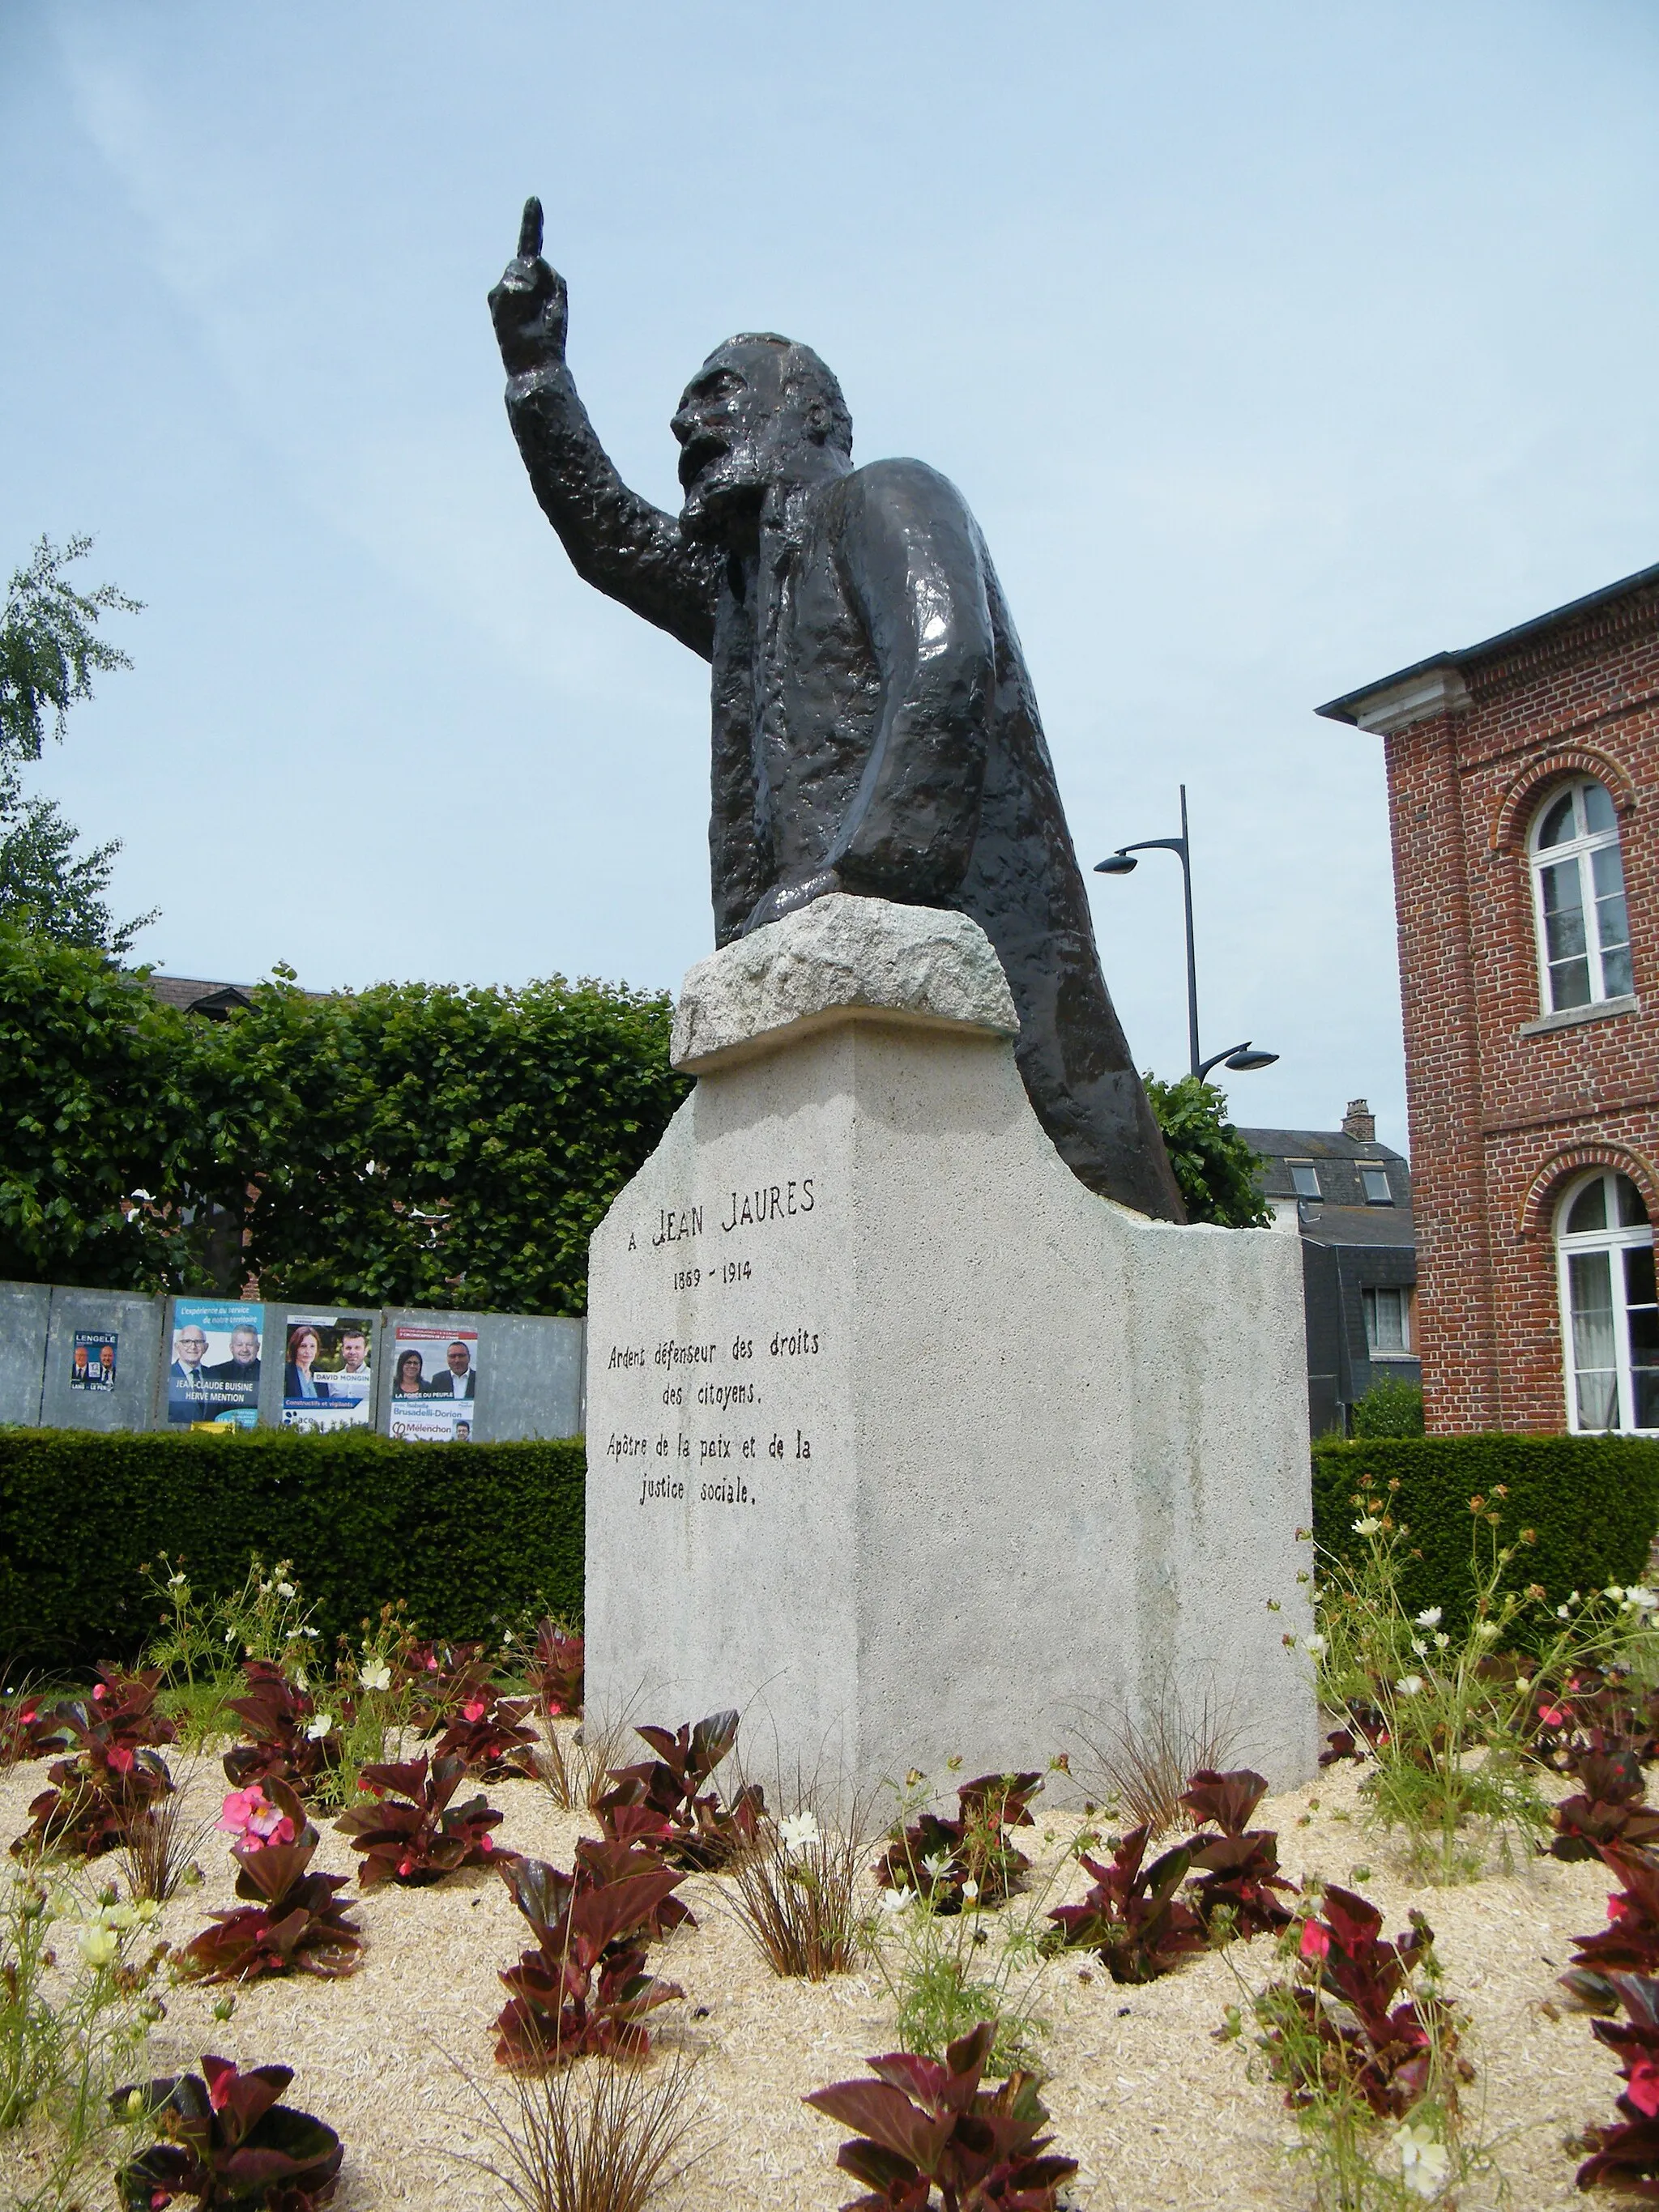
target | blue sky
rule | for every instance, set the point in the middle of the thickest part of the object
(1274, 347)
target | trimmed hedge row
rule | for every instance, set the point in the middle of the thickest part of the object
(1593, 1500)
(468, 1536)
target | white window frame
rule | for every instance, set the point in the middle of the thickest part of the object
(1376, 1168)
(1615, 1241)
(1581, 850)
(1404, 1350)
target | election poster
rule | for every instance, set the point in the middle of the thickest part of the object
(92, 1359)
(213, 1381)
(327, 1379)
(434, 1382)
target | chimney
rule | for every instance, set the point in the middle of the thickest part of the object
(1359, 1122)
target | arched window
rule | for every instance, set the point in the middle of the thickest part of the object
(1609, 1314)
(1578, 892)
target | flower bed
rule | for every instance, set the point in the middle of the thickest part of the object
(1156, 2110)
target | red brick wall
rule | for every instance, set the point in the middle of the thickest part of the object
(1499, 1121)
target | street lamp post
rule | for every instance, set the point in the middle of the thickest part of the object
(1241, 1057)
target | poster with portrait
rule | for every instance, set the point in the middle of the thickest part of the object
(213, 1371)
(434, 1382)
(92, 1359)
(327, 1379)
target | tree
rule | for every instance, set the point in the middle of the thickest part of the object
(1216, 1169)
(50, 651)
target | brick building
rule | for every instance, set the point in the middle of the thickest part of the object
(1524, 799)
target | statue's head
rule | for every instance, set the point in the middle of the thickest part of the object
(760, 410)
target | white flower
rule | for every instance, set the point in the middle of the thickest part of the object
(1368, 1527)
(284, 1590)
(299, 1682)
(1419, 1647)
(1313, 1645)
(1561, 1612)
(1409, 1686)
(796, 1834)
(1644, 1600)
(1430, 1617)
(896, 1900)
(318, 1726)
(1486, 1628)
(1424, 2163)
(970, 1889)
(309, 1631)
(936, 1865)
(175, 1582)
(98, 1944)
(1441, 1640)
(378, 1677)
(1613, 1589)
(265, 1589)
(230, 1636)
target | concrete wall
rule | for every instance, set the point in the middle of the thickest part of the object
(530, 1367)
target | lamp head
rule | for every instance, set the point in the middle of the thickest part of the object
(1244, 1059)
(1120, 863)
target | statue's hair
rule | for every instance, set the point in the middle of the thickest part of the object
(804, 372)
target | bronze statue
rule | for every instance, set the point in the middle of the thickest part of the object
(874, 727)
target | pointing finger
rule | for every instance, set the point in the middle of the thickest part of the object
(529, 230)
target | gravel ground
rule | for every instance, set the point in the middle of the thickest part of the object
(1157, 2112)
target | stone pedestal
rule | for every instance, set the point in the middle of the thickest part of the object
(899, 1439)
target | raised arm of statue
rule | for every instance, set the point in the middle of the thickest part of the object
(912, 558)
(616, 541)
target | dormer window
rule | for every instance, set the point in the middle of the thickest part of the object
(1578, 892)
(1304, 1179)
(1374, 1181)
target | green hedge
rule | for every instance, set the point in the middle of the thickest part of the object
(466, 1535)
(1593, 1500)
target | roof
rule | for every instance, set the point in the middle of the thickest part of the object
(1360, 1224)
(1346, 709)
(1316, 1144)
(196, 994)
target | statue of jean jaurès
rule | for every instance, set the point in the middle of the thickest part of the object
(874, 727)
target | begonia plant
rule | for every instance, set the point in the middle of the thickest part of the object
(926, 2125)
(1133, 1914)
(408, 1832)
(583, 1988)
(293, 1921)
(698, 1832)
(288, 1739)
(226, 2143)
(1239, 1886)
(948, 1863)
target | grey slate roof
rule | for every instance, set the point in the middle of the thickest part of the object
(1342, 1214)
(196, 994)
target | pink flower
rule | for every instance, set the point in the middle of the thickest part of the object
(159, 2197)
(98, 1693)
(432, 1665)
(27, 1713)
(1316, 1939)
(250, 1816)
(1618, 1904)
(1643, 2087)
(219, 2074)
(1551, 1715)
(405, 1866)
(473, 1710)
(121, 1759)
(486, 1843)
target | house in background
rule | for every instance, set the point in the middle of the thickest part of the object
(1524, 804)
(213, 1001)
(1349, 1198)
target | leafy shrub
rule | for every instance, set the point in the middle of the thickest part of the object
(289, 1740)
(1609, 1809)
(489, 1737)
(1219, 1174)
(1391, 1407)
(29, 1729)
(1355, 2020)
(112, 1777)
(926, 2125)
(1240, 1885)
(1133, 1914)
(1627, 2157)
(420, 1839)
(462, 1536)
(948, 1863)
(583, 1988)
(557, 1669)
(658, 1800)
(1593, 1503)
(228, 2142)
(293, 1922)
